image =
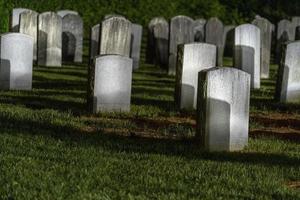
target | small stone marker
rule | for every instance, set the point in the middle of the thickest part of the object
(214, 35)
(94, 41)
(112, 83)
(223, 109)
(28, 25)
(181, 32)
(72, 37)
(199, 30)
(136, 42)
(228, 40)
(63, 13)
(49, 39)
(288, 79)
(116, 36)
(266, 38)
(15, 18)
(247, 51)
(16, 61)
(192, 58)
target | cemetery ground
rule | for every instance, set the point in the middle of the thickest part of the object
(51, 148)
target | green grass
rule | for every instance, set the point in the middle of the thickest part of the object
(51, 148)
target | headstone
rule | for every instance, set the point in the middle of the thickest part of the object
(16, 61)
(297, 36)
(15, 18)
(94, 41)
(136, 42)
(116, 36)
(214, 35)
(199, 30)
(228, 40)
(223, 109)
(28, 25)
(113, 15)
(296, 23)
(181, 32)
(266, 38)
(112, 84)
(158, 42)
(192, 58)
(63, 13)
(247, 51)
(72, 37)
(288, 79)
(49, 39)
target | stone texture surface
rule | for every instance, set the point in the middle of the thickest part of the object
(95, 41)
(29, 25)
(223, 109)
(63, 13)
(265, 27)
(296, 24)
(112, 84)
(181, 32)
(136, 42)
(285, 33)
(192, 58)
(214, 35)
(72, 37)
(288, 82)
(247, 51)
(199, 30)
(49, 39)
(16, 61)
(15, 18)
(228, 40)
(116, 36)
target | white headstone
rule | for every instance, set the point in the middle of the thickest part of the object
(49, 39)
(94, 41)
(136, 42)
(192, 58)
(16, 54)
(223, 109)
(63, 13)
(112, 84)
(247, 51)
(15, 18)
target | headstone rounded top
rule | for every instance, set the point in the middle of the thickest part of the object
(248, 26)
(113, 56)
(157, 20)
(21, 9)
(261, 20)
(181, 17)
(62, 13)
(116, 18)
(70, 15)
(50, 13)
(226, 70)
(214, 19)
(12, 34)
(29, 12)
(200, 44)
(113, 15)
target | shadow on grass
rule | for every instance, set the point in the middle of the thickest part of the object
(271, 104)
(161, 104)
(151, 91)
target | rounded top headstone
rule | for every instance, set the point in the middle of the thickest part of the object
(62, 13)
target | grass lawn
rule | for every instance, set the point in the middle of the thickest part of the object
(50, 148)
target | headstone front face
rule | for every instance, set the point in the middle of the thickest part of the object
(288, 82)
(214, 35)
(266, 38)
(49, 39)
(94, 41)
(72, 37)
(192, 58)
(16, 61)
(199, 30)
(63, 13)
(181, 32)
(247, 51)
(15, 18)
(223, 109)
(136, 42)
(28, 25)
(228, 40)
(116, 36)
(112, 84)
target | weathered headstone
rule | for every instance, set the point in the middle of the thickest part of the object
(94, 41)
(199, 30)
(265, 27)
(285, 33)
(72, 37)
(223, 109)
(192, 58)
(181, 32)
(136, 42)
(296, 24)
(16, 61)
(15, 18)
(112, 15)
(247, 51)
(49, 39)
(228, 40)
(288, 79)
(214, 35)
(112, 83)
(28, 25)
(297, 35)
(115, 36)
(63, 13)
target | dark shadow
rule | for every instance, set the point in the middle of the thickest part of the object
(151, 91)
(42, 47)
(297, 37)
(161, 53)
(5, 74)
(198, 36)
(165, 105)
(229, 43)
(292, 137)
(185, 97)
(68, 46)
(280, 46)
